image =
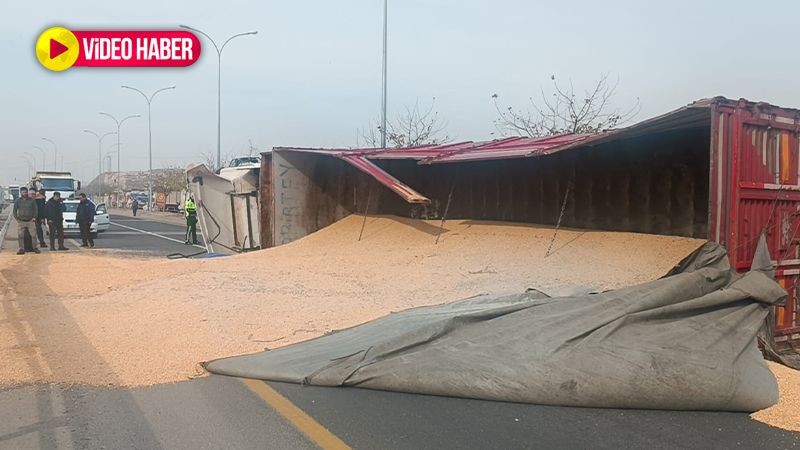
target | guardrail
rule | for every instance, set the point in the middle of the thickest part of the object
(6, 224)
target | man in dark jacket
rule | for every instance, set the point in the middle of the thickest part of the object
(85, 216)
(54, 213)
(25, 213)
(41, 200)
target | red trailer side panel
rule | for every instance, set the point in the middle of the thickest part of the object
(755, 152)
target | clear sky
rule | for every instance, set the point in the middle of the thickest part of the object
(311, 77)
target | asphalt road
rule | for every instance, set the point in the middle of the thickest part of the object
(220, 412)
(143, 237)
(223, 412)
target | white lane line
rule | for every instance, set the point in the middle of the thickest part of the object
(177, 223)
(117, 219)
(154, 234)
(132, 233)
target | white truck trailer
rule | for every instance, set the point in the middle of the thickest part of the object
(62, 182)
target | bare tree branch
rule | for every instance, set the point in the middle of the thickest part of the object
(562, 111)
(414, 127)
(169, 179)
(209, 159)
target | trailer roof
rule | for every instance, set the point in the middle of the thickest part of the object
(694, 115)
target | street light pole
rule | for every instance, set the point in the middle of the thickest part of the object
(55, 153)
(43, 155)
(108, 157)
(34, 159)
(111, 152)
(99, 149)
(383, 96)
(119, 124)
(149, 142)
(28, 162)
(219, 82)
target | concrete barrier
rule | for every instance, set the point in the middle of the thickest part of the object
(5, 218)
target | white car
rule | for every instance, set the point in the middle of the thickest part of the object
(101, 220)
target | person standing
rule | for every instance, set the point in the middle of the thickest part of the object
(135, 206)
(40, 219)
(85, 217)
(25, 213)
(54, 214)
(190, 211)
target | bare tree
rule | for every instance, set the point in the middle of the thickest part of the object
(99, 186)
(564, 111)
(168, 180)
(415, 126)
(209, 158)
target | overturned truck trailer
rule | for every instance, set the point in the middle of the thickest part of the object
(227, 208)
(718, 169)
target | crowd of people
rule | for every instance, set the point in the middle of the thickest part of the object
(32, 212)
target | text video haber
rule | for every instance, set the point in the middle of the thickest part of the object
(99, 48)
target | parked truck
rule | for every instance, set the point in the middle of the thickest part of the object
(13, 192)
(62, 182)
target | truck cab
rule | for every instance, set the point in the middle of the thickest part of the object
(62, 182)
(13, 191)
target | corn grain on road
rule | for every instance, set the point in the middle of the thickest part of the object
(222, 412)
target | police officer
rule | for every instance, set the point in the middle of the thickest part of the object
(190, 211)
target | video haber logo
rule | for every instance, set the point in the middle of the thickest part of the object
(59, 49)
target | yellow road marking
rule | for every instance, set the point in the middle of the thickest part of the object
(302, 421)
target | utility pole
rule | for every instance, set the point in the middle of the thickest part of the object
(383, 97)
(219, 83)
(149, 142)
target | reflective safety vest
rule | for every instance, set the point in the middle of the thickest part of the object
(189, 207)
